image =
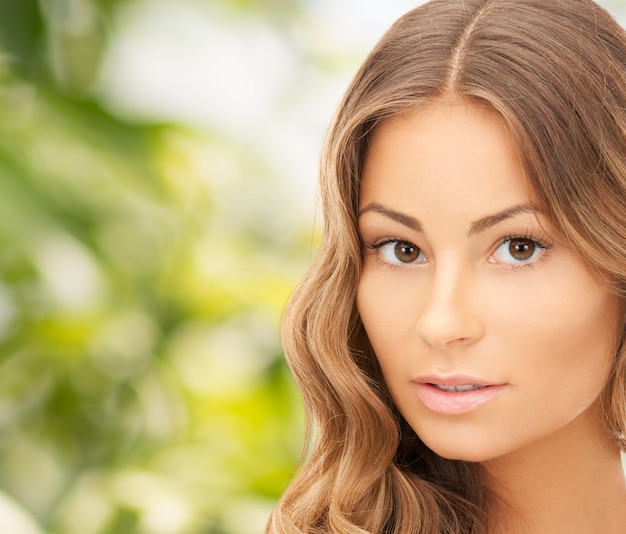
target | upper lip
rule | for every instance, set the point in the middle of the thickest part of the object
(454, 380)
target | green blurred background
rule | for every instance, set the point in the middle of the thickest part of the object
(157, 169)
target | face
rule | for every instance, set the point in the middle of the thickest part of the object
(492, 335)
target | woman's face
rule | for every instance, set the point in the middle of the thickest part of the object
(492, 334)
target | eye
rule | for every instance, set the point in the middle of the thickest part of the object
(400, 252)
(519, 251)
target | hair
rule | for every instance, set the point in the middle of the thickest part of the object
(556, 73)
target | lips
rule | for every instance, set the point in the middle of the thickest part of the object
(456, 395)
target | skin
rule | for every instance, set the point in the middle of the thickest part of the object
(465, 276)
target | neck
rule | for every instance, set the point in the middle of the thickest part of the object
(573, 482)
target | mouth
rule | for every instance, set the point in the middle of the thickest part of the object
(457, 389)
(456, 395)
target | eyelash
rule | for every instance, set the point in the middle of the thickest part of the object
(379, 244)
(542, 243)
(376, 246)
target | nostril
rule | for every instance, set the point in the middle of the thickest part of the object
(445, 323)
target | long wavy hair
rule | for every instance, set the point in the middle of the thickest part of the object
(556, 72)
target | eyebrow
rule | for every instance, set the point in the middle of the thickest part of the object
(476, 227)
(403, 219)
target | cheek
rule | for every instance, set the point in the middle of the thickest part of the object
(562, 336)
(386, 308)
(576, 315)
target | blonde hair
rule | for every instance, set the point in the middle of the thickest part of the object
(556, 72)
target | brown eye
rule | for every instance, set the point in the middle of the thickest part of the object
(406, 252)
(522, 249)
(399, 252)
(519, 251)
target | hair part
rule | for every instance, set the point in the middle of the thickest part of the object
(556, 72)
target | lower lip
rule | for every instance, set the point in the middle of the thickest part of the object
(455, 402)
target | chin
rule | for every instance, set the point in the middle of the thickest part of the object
(465, 452)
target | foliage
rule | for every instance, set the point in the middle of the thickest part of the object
(142, 387)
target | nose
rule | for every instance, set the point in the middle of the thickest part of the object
(448, 316)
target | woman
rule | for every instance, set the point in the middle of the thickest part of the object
(458, 340)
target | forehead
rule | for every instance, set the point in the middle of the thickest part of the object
(447, 153)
